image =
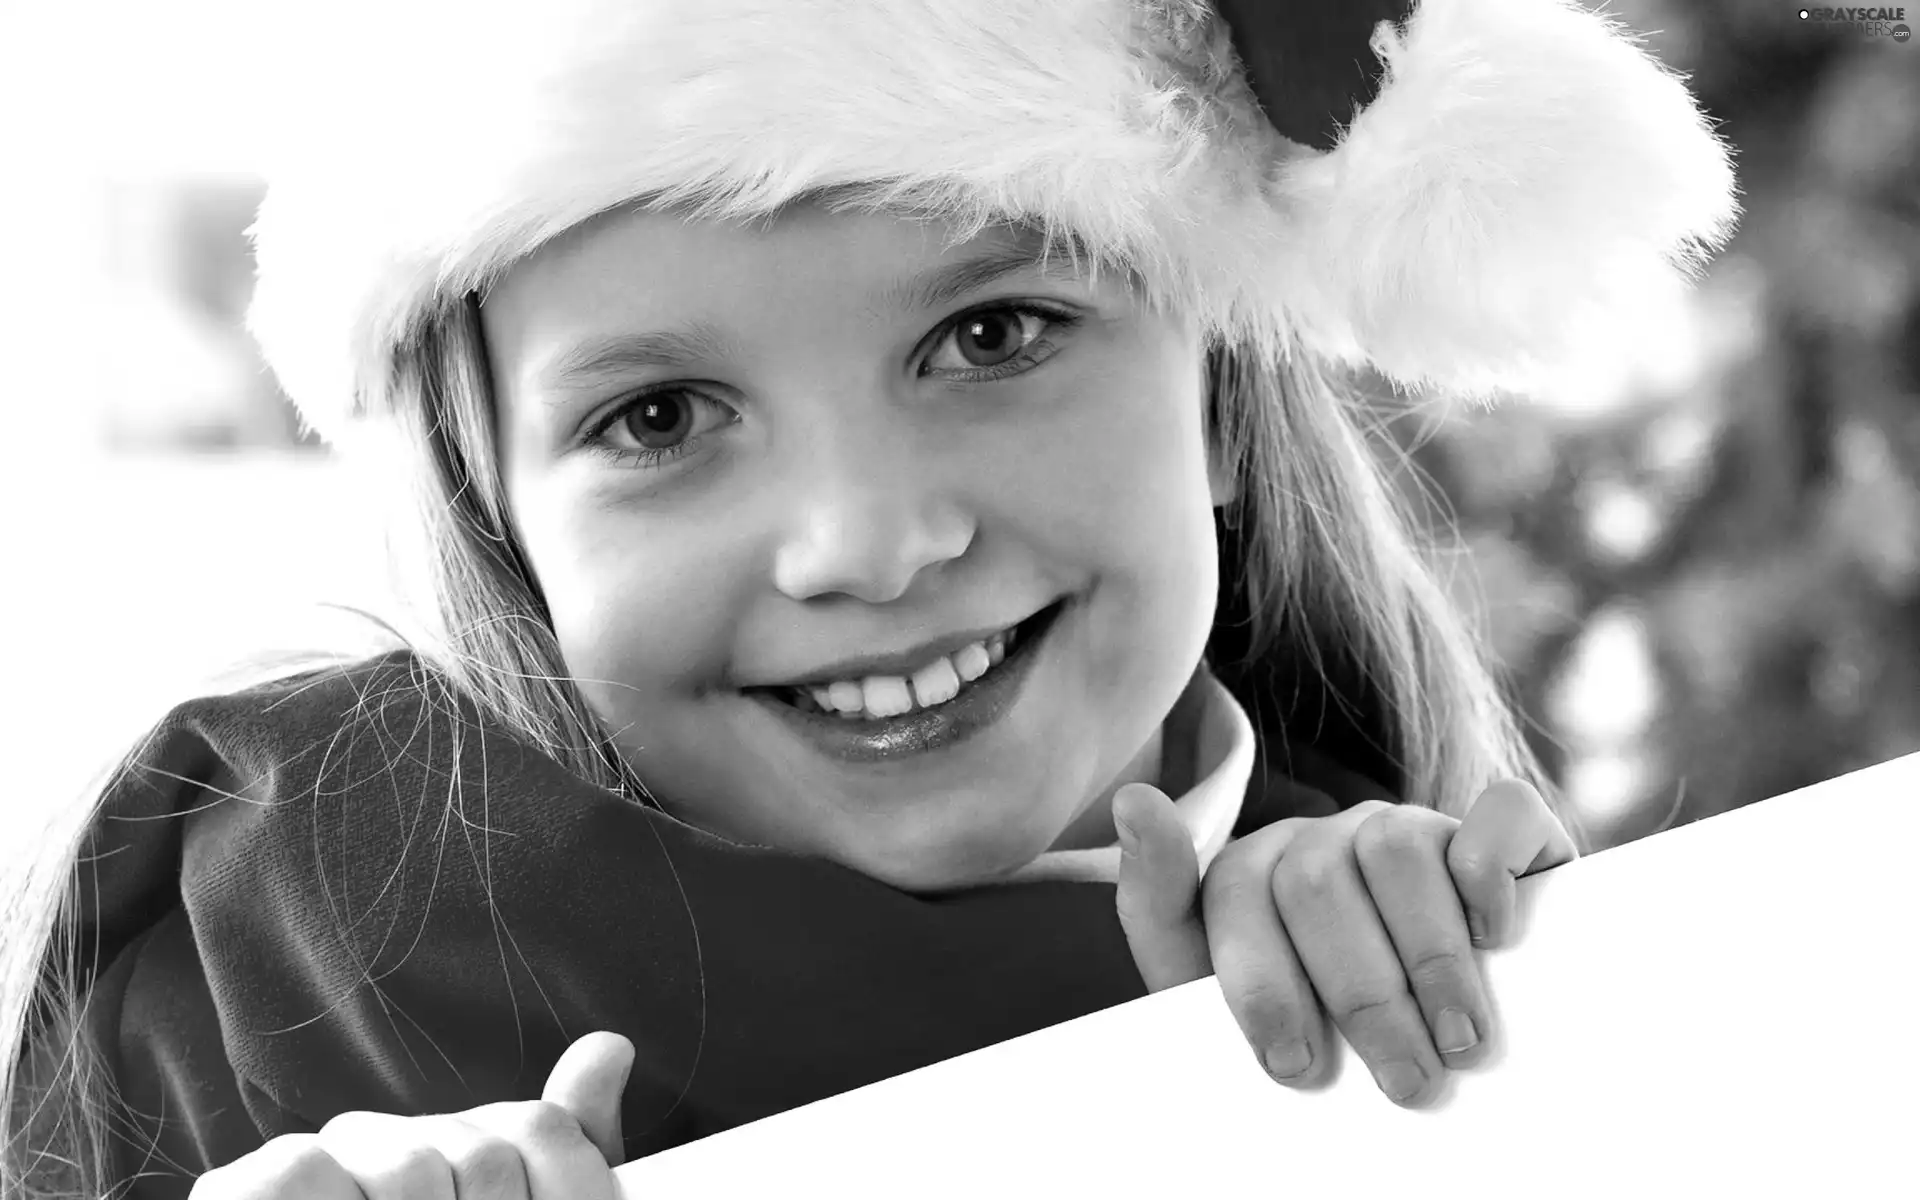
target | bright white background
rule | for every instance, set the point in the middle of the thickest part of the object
(131, 577)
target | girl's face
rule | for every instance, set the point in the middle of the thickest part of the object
(764, 474)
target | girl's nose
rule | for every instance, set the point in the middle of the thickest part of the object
(868, 537)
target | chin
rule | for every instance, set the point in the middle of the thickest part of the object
(936, 879)
(952, 863)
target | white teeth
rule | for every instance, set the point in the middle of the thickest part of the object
(971, 662)
(880, 696)
(935, 683)
(887, 695)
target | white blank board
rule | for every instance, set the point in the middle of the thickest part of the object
(1727, 1008)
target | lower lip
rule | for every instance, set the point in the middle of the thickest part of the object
(923, 730)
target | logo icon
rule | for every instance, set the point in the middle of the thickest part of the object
(1882, 21)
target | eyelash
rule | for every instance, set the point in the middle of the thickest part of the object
(648, 457)
(642, 456)
(1057, 318)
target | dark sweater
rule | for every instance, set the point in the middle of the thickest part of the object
(304, 902)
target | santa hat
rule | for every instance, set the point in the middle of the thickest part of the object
(1457, 193)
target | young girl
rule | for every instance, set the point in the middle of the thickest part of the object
(872, 460)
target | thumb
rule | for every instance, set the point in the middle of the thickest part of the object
(587, 1082)
(1159, 893)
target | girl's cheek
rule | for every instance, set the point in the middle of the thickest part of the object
(1137, 526)
(642, 607)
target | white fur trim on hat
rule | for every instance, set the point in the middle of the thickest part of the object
(1523, 173)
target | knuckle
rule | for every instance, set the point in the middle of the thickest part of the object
(1293, 827)
(308, 1160)
(359, 1125)
(542, 1122)
(416, 1166)
(292, 1161)
(1233, 857)
(1395, 832)
(294, 1147)
(489, 1164)
(1261, 847)
(1268, 1008)
(1234, 882)
(1360, 1009)
(1309, 873)
(1436, 967)
(1472, 866)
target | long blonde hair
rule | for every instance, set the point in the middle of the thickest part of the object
(1333, 574)
(1330, 571)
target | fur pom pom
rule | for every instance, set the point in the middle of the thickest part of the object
(1524, 176)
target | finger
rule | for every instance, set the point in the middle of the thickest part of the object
(294, 1166)
(1265, 986)
(1402, 853)
(1159, 892)
(1350, 959)
(559, 1161)
(485, 1165)
(588, 1082)
(1508, 833)
(389, 1157)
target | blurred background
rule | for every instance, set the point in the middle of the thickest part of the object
(1700, 567)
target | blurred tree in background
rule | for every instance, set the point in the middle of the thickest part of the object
(1703, 579)
(1710, 594)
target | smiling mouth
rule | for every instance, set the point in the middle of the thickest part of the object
(946, 680)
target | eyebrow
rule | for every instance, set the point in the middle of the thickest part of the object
(681, 347)
(942, 285)
(621, 354)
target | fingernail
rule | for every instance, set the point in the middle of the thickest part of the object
(1129, 840)
(1454, 1032)
(1477, 928)
(1401, 1081)
(1289, 1060)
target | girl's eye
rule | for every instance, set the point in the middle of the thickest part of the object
(993, 343)
(659, 425)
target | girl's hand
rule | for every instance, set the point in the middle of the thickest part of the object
(1371, 915)
(563, 1146)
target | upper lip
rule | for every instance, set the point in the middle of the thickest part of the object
(899, 663)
